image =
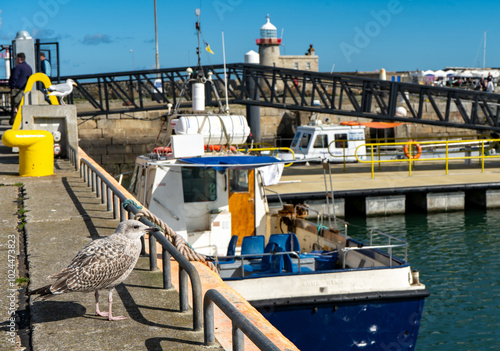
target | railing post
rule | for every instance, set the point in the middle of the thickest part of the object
(123, 213)
(208, 317)
(238, 339)
(89, 175)
(167, 275)
(183, 290)
(153, 264)
(104, 192)
(93, 181)
(116, 205)
(109, 199)
(98, 187)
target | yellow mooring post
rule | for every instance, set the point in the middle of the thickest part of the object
(36, 151)
(36, 147)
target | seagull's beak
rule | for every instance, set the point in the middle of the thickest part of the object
(75, 84)
(151, 229)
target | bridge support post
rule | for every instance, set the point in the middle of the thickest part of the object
(253, 112)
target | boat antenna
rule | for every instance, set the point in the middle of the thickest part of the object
(198, 31)
(225, 72)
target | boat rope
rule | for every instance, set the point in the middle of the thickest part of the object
(178, 241)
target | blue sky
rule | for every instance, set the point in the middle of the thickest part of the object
(364, 35)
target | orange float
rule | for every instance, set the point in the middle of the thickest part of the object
(413, 157)
(218, 148)
(162, 150)
(349, 123)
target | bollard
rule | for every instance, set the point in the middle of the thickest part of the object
(36, 154)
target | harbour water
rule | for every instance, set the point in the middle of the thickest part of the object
(458, 256)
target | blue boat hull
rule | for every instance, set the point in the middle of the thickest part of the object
(379, 324)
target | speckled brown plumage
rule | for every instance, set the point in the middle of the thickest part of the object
(102, 264)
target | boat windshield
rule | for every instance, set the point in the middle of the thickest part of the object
(198, 184)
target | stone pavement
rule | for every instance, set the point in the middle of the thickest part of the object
(62, 216)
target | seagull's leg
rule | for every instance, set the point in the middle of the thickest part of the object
(97, 312)
(62, 101)
(110, 316)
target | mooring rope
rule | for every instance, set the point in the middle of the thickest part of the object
(178, 241)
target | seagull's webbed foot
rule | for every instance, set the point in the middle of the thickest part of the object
(110, 313)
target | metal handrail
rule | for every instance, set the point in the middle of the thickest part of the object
(273, 149)
(240, 324)
(111, 196)
(412, 144)
(389, 246)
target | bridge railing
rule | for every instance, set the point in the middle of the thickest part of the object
(277, 87)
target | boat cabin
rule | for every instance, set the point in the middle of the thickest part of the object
(206, 199)
(337, 143)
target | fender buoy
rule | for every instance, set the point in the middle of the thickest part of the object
(413, 157)
(162, 150)
(349, 123)
(219, 148)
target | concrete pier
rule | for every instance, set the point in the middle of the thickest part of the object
(45, 222)
(393, 190)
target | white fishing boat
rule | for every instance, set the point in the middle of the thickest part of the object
(321, 288)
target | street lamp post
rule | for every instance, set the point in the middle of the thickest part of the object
(133, 66)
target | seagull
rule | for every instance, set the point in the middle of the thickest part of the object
(61, 90)
(101, 265)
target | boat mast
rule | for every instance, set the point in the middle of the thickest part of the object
(198, 30)
(484, 51)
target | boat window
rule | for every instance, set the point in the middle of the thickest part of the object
(341, 141)
(296, 140)
(321, 141)
(238, 181)
(198, 184)
(304, 141)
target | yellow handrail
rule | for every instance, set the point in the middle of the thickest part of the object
(273, 149)
(410, 144)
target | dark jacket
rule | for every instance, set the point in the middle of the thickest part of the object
(19, 75)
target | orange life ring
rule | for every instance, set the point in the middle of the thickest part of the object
(349, 123)
(413, 157)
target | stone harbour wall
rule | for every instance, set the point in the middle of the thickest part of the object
(115, 140)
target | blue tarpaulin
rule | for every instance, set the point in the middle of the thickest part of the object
(240, 162)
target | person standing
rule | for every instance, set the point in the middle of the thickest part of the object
(17, 82)
(46, 68)
(490, 87)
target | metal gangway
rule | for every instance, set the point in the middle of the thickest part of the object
(258, 85)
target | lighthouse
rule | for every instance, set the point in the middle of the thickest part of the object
(269, 44)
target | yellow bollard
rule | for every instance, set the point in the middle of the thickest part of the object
(36, 151)
(36, 77)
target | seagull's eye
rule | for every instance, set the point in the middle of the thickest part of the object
(136, 227)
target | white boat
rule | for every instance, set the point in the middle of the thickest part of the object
(321, 288)
(335, 143)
